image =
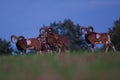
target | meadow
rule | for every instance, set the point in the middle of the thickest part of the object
(68, 66)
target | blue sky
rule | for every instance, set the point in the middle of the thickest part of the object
(25, 17)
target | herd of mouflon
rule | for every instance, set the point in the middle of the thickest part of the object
(48, 41)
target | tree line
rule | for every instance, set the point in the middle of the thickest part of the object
(72, 32)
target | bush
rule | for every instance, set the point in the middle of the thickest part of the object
(5, 47)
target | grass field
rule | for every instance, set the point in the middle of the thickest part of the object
(69, 66)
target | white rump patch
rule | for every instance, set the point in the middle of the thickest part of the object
(107, 42)
(98, 36)
(28, 42)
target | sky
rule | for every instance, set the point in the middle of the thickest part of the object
(25, 17)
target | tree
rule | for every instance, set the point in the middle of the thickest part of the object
(72, 32)
(5, 47)
(115, 34)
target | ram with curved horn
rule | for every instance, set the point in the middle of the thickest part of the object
(45, 47)
(23, 44)
(93, 38)
(20, 42)
(43, 30)
(58, 41)
(55, 41)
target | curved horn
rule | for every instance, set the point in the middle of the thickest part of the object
(41, 29)
(90, 27)
(50, 29)
(44, 29)
(21, 37)
(82, 28)
(15, 38)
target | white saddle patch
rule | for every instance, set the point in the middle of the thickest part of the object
(28, 42)
(98, 36)
(107, 42)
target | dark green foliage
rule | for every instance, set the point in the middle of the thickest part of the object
(115, 34)
(5, 47)
(72, 32)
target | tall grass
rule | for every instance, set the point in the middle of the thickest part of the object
(68, 66)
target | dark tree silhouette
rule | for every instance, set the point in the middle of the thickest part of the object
(5, 47)
(72, 31)
(115, 34)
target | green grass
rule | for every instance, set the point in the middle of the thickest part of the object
(68, 66)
